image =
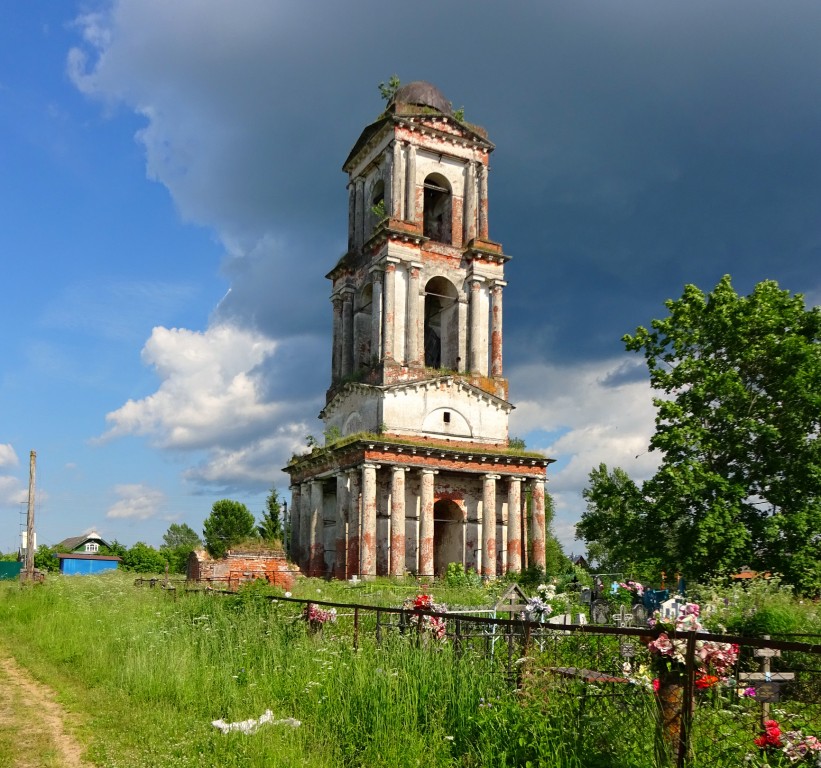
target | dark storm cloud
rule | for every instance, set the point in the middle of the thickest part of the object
(642, 145)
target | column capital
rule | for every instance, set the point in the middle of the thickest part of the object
(491, 476)
(400, 468)
(498, 284)
(427, 471)
(376, 272)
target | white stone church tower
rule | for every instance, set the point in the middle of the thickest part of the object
(416, 471)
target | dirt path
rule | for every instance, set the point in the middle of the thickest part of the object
(32, 723)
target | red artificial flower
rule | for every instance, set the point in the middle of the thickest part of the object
(706, 681)
(656, 685)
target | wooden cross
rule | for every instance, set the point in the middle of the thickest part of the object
(767, 689)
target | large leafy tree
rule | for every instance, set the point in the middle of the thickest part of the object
(179, 541)
(738, 424)
(229, 523)
(270, 529)
(613, 526)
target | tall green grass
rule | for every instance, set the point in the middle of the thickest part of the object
(148, 673)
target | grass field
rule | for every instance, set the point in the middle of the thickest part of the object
(146, 673)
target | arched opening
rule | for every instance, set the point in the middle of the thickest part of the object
(362, 328)
(441, 324)
(436, 221)
(448, 530)
(377, 210)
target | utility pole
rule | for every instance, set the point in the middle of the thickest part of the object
(30, 519)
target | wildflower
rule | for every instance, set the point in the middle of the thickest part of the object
(706, 681)
(747, 692)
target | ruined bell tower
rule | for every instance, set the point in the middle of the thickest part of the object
(416, 471)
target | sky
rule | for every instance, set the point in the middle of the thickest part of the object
(171, 197)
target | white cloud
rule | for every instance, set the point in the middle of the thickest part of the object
(209, 389)
(602, 412)
(255, 464)
(12, 490)
(8, 456)
(136, 502)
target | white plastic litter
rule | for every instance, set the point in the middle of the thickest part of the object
(252, 725)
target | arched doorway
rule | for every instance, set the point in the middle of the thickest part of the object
(436, 221)
(448, 530)
(441, 324)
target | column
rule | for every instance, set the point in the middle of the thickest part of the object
(496, 329)
(396, 181)
(336, 350)
(387, 178)
(537, 525)
(341, 548)
(410, 185)
(514, 524)
(367, 542)
(477, 359)
(426, 524)
(483, 228)
(470, 202)
(305, 526)
(397, 553)
(347, 331)
(390, 308)
(376, 314)
(351, 216)
(293, 548)
(316, 556)
(489, 526)
(413, 330)
(354, 521)
(359, 215)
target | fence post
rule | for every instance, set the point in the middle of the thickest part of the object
(356, 628)
(687, 700)
(378, 628)
(457, 640)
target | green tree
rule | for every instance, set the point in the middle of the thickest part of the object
(114, 548)
(270, 529)
(143, 558)
(179, 541)
(45, 559)
(738, 427)
(612, 527)
(229, 523)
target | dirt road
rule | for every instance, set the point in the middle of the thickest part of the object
(33, 731)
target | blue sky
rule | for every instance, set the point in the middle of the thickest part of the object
(171, 198)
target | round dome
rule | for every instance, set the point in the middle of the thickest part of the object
(424, 95)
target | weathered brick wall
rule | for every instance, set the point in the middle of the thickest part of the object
(237, 568)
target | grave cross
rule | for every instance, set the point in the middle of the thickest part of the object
(624, 618)
(767, 689)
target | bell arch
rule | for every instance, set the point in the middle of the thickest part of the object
(441, 324)
(376, 208)
(448, 535)
(437, 221)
